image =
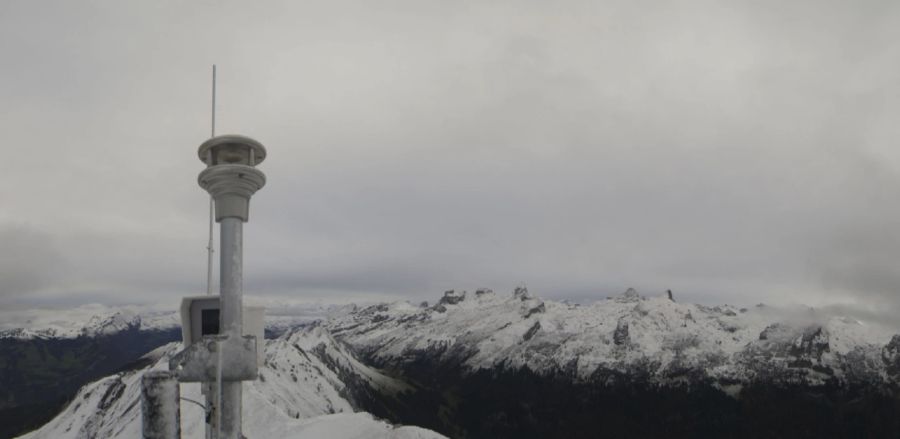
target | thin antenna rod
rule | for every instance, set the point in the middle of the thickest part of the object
(213, 103)
(212, 210)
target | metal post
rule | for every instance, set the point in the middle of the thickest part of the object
(231, 293)
(209, 245)
(160, 405)
(231, 179)
(208, 390)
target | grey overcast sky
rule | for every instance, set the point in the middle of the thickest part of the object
(733, 151)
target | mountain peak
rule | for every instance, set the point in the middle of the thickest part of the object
(452, 297)
(118, 321)
(630, 295)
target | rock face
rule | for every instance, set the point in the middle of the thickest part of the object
(890, 356)
(630, 295)
(483, 291)
(451, 297)
(521, 293)
(531, 331)
(620, 335)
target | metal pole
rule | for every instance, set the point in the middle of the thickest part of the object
(231, 185)
(209, 245)
(160, 405)
(231, 297)
(212, 410)
(209, 391)
(209, 249)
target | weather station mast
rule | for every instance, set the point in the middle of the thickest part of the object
(231, 179)
(221, 337)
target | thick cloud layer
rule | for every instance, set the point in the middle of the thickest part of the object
(736, 152)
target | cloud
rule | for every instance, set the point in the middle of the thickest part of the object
(29, 260)
(740, 152)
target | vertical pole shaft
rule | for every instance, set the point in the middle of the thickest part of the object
(209, 248)
(160, 405)
(231, 297)
(209, 245)
(210, 390)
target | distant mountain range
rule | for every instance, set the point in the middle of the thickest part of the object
(96, 320)
(654, 339)
(485, 364)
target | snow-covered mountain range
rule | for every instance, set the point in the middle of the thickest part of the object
(94, 320)
(609, 339)
(487, 364)
(86, 320)
(625, 338)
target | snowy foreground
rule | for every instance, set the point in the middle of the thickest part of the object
(299, 395)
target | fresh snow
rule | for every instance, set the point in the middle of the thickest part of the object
(672, 341)
(298, 395)
(86, 320)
